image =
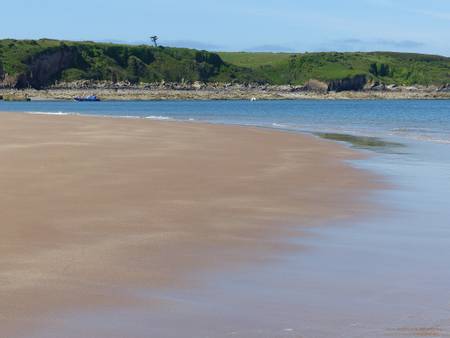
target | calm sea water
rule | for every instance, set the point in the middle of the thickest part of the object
(383, 276)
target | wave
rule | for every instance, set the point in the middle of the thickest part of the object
(280, 125)
(120, 116)
(155, 117)
(414, 130)
(422, 134)
(50, 113)
(428, 138)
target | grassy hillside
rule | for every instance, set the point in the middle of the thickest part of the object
(38, 63)
(387, 67)
(255, 60)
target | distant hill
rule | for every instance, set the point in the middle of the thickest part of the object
(40, 63)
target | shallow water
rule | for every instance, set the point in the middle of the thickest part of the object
(382, 276)
(422, 120)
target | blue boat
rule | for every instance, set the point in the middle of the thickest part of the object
(90, 98)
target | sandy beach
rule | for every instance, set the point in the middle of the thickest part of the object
(93, 208)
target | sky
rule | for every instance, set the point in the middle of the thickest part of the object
(239, 25)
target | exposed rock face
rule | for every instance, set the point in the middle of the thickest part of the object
(444, 88)
(354, 83)
(379, 87)
(43, 69)
(8, 81)
(316, 86)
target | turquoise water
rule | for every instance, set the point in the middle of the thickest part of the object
(382, 276)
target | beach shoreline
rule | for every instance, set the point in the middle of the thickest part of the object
(94, 207)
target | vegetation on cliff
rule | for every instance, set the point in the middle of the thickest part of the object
(384, 67)
(40, 63)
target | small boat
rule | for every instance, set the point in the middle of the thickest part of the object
(253, 99)
(90, 98)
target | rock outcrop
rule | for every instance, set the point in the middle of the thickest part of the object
(45, 68)
(316, 86)
(354, 83)
(42, 71)
(444, 88)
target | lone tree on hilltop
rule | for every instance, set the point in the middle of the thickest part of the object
(154, 39)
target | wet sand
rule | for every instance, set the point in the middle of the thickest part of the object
(93, 209)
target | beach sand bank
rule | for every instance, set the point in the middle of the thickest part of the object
(93, 208)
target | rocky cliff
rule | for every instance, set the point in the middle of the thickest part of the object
(354, 83)
(41, 71)
(44, 69)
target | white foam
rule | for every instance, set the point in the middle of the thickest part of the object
(430, 139)
(121, 116)
(154, 117)
(60, 113)
(421, 134)
(413, 130)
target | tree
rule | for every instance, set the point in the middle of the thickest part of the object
(154, 39)
(380, 69)
(373, 69)
(384, 70)
(136, 67)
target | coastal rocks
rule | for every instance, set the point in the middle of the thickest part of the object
(355, 83)
(15, 97)
(378, 87)
(285, 88)
(444, 88)
(80, 84)
(8, 81)
(216, 92)
(229, 90)
(197, 85)
(392, 87)
(316, 86)
(280, 89)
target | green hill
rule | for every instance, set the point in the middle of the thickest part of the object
(386, 67)
(40, 63)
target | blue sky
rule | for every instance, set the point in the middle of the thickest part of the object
(272, 25)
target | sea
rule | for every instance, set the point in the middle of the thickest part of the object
(384, 275)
